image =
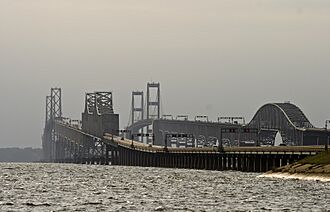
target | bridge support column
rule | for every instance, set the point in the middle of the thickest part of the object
(120, 156)
(270, 162)
(179, 160)
(184, 161)
(153, 159)
(132, 157)
(263, 163)
(204, 161)
(214, 159)
(198, 160)
(207, 160)
(188, 161)
(158, 159)
(170, 159)
(234, 158)
(277, 160)
(229, 162)
(149, 159)
(220, 162)
(128, 157)
(257, 163)
(244, 163)
(292, 159)
(211, 162)
(115, 157)
(175, 161)
(136, 158)
(167, 160)
(163, 160)
(285, 160)
(224, 161)
(193, 161)
(251, 163)
(143, 159)
(112, 157)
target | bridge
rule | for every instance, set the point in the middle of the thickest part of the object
(96, 138)
(284, 118)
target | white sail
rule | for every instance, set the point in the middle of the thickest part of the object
(278, 139)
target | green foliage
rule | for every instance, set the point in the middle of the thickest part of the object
(321, 159)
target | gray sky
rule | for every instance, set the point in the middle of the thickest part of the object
(212, 57)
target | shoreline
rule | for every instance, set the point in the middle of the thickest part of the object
(297, 176)
(315, 168)
(301, 171)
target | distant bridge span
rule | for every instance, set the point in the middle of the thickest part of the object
(95, 139)
(139, 125)
(285, 118)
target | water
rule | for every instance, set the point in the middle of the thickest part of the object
(67, 187)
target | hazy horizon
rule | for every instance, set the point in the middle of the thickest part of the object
(214, 57)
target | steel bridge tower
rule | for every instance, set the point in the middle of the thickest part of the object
(153, 103)
(53, 112)
(137, 111)
(99, 116)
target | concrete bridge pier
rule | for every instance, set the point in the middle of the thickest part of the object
(229, 162)
(235, 165)
(211, 162)
(257, 163)
(263, 163)
(195, 161)
(277, 159)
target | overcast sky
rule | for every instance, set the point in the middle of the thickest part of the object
(212, 57)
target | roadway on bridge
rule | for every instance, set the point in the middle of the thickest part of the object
(244, 150)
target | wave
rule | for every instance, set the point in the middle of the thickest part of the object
(297, 176)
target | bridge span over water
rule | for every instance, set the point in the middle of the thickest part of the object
(95, 139)
(284, 118)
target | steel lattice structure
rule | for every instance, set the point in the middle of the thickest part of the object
(104, 103)
(90, 103)
(137, 111)
(286, 118)
(73, 140)
(53, 113)
(95, 140)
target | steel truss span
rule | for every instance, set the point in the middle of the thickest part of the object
(285, 118)
(95, 139)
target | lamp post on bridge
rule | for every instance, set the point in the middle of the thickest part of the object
(327, 137)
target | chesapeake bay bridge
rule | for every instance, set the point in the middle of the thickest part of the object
(153, 139)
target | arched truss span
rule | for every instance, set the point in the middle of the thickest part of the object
(286, 118)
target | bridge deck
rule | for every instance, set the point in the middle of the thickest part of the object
(126, 143)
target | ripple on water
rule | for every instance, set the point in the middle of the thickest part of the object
(67, 187)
